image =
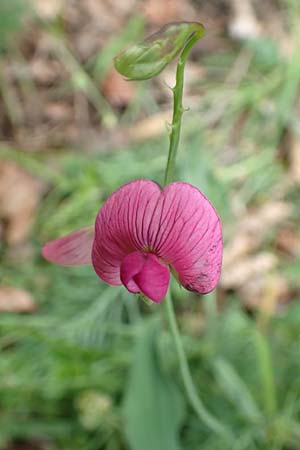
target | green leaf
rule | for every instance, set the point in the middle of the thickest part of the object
(236, 390)
(153, 406)
(148, 58)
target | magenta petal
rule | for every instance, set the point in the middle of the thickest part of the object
(131, 265)
(71, 250)
(153, 280)
(122, 227)
(177, 224)
(145, 273)
(189, 237)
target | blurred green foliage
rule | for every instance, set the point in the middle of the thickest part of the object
(69, 375)
(11, 15)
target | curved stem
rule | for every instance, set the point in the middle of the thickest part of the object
(205, 416)
(178, 109)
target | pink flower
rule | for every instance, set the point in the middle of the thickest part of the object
(141, 232)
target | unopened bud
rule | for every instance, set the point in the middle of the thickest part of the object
(148, 58)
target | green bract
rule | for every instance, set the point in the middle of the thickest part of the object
(148, 58)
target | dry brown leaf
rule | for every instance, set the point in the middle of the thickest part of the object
(117, 90)
(108, 14)
(245, 269)
(241, 245)
(19, 198)
(244, 24)
(150, 127)
(269, 215)
(16, 300)
(45, 72)
(160, 12)
(288, 240)
(265, 293)
(58, 112)
(252, 229)
(48, 9)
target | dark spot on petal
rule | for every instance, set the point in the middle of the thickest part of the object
(191, 286)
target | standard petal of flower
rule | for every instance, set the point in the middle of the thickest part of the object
(186, 232)
(122, 227)
(71, 250)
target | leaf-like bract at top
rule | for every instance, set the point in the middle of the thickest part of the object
(148, 58)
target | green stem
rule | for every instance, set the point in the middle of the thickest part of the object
(178, 109)
(210, 421)
(266, 372)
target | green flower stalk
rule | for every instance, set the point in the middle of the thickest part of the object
(178, 109)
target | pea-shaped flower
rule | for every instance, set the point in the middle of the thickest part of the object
(143, 231)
